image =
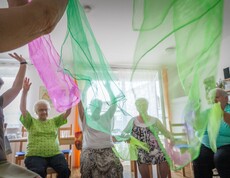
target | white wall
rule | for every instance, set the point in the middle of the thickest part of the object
(225, 53)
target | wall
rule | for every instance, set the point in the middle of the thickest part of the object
(225, 55)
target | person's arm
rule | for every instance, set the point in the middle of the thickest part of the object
(11, 93)
(67, 113)
(112, 109)
(14, 3)
(163, 130)
(227, 117)
(110, 92)
(22, 24)
(81, 111)
(26, 88)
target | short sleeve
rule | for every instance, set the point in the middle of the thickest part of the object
(59, 121)
(26, 121)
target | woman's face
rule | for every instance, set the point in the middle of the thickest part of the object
(42, 111)
(142, 105)
(223, 100)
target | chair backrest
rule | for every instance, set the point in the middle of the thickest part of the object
(65, 131)
(62, 133)
(178, 130)
(24, 134)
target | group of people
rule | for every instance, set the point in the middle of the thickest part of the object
(97, 156)
(37, 18)
(98, 159)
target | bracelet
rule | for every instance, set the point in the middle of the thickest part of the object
(24, 62)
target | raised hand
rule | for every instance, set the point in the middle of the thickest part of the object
(26, 84)
(19, 58)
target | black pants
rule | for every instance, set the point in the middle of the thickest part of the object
(39, 165)
(208, 160)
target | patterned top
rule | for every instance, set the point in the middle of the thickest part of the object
(42, 135)
(142, 133)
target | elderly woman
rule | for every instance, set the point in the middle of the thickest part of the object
(43, 147)
(208, 159)
(141, 131)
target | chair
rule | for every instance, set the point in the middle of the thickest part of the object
(133, 165)
(64, 132)
(179, 131)
(20, 155)
(50, 171)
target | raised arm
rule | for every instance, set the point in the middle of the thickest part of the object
(67, 113)
(81, 111)
(109, 90)
(23, 104)
(112, 109)
(11, 93)
(22, 24)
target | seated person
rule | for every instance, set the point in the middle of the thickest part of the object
(141, 131)
(43, 146)
(207, 159)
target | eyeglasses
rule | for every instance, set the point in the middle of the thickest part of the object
(42, 110)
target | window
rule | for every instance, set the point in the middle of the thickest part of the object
(145, 84)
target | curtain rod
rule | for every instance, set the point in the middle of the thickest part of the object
(130, 68)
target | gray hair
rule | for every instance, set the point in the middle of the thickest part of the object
(41, 102)
(220, 91)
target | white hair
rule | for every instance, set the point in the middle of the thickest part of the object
(41, 102)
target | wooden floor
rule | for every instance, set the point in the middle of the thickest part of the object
(128, 174)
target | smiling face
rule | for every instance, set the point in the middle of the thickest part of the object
(42, 110)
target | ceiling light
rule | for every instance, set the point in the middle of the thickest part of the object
(170, 49)
(87, 8)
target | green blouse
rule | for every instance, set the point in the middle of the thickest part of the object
(42, 135)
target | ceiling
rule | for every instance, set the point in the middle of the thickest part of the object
(111, 23)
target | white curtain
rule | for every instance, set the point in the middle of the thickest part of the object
(145, 84)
